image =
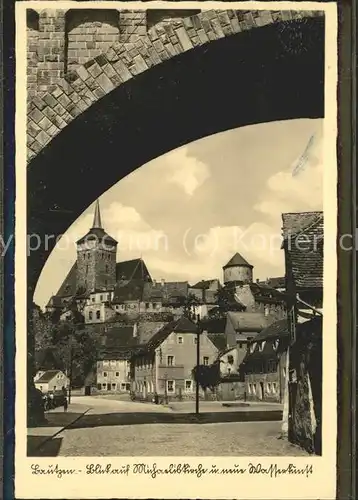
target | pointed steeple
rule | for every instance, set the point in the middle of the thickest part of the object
(97, 223)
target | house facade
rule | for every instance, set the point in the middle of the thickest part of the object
(303, 238)
(164, 365)
(50, 381)
(113, 375)
(264, 366)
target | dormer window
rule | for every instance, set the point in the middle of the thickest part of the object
(262, 345)
(275, 345)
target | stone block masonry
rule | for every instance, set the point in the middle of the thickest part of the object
(89, 33)
(50, 51)
(62, 95)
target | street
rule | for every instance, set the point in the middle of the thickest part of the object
(126, 428)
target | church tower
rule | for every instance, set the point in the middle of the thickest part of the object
(96, 258)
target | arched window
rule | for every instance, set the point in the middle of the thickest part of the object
(98, 314)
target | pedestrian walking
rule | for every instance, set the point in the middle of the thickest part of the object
(65, 405)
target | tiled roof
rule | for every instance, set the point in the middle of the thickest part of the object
(237, 260)
(247, 321)
(132, 291)
(98, 234)
(273, 282)
(47, 376)
(181, 325)
(219, 340)
(214, 325)
(119, 337)
(263, 292)
(147, 329)
(68, 287)
(274, 331)
(295, 223)
(204, 284)
(134, 269)
(279, 282)
(304, 248)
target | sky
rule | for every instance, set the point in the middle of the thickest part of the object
(187, 212)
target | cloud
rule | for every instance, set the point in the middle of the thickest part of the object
(185, 171)
(295, 190)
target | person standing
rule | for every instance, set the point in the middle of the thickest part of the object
(65, 404)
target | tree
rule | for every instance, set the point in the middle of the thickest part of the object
(189, 304)
(207, 376)
(226, 301)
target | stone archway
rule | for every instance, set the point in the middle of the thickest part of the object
(253, 76)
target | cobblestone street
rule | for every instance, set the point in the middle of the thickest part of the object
(97, 434)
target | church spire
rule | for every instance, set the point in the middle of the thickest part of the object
(97, 223)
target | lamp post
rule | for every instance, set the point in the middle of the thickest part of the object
(198, 333)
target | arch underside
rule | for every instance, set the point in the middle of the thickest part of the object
(253, 77)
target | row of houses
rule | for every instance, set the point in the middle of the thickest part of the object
(268, 345)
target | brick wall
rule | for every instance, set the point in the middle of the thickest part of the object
(133, 25)
(32, 48)
(89, 33)
(50, 51)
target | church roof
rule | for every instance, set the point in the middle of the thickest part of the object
(237, 260)
(134, 269)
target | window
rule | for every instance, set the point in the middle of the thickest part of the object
(90, 315)
(98, 314)
(117, 374)
(105, 374)
(269, 388)
(205, 360)
(240, 345)
(230, 359)
(104, 386)
(114, 386)
(147, 305)
(170, 386)
(99, 387)
(275, 345)
(170, 360)
(274, 386)
(188, 385)
(261, 346)
(101, 298)
(93, 299)
(180, 340)
(54, 387)
(123, 386)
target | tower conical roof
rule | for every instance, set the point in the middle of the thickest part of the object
(97, 223)
(97, 231)
(237, 260)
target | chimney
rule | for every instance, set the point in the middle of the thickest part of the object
(163, 281)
